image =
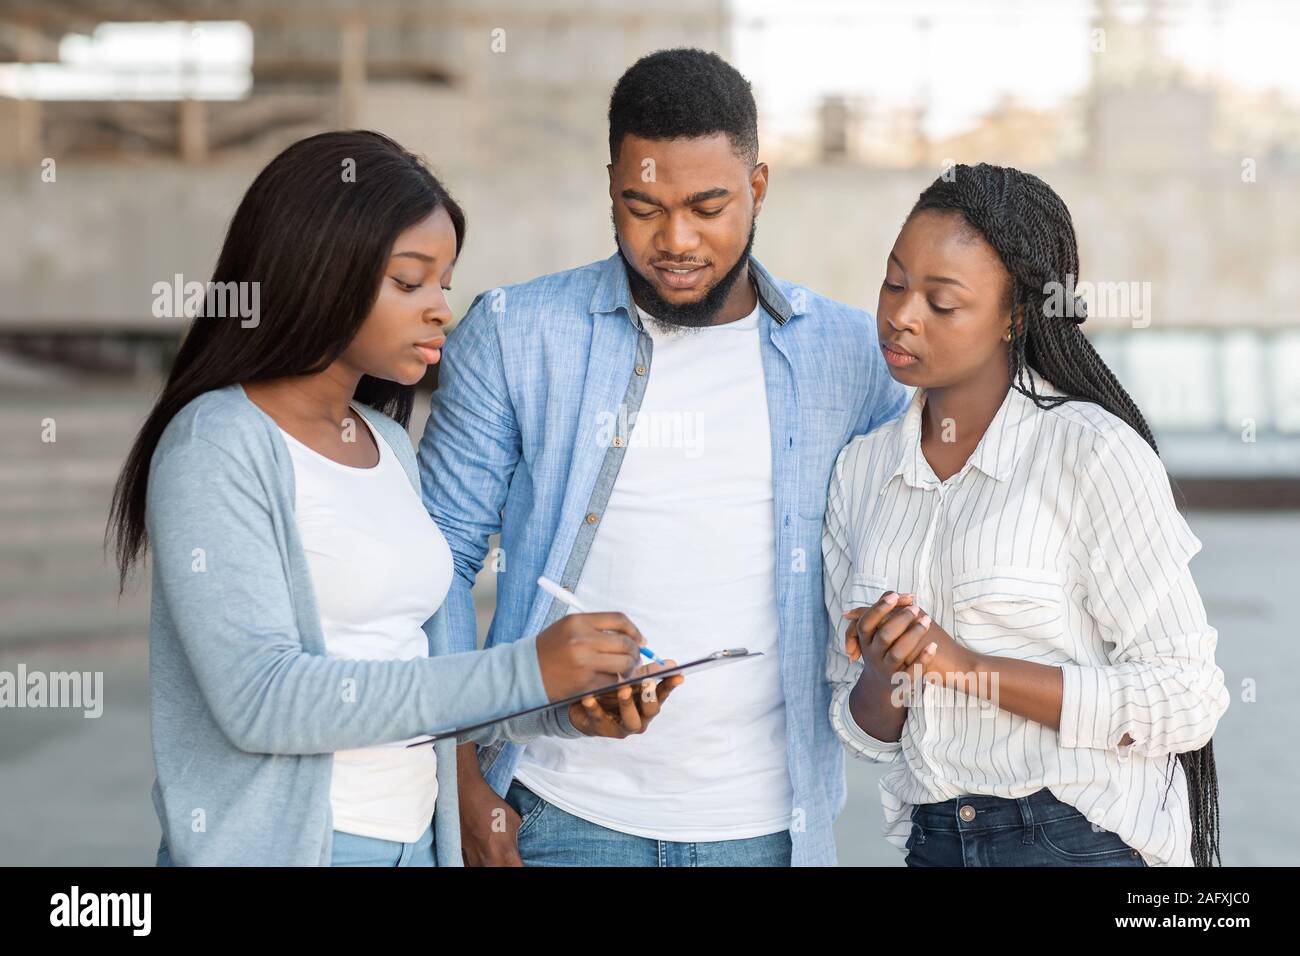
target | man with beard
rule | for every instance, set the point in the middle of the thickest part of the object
(656, 433)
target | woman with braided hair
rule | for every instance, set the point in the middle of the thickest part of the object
(1019, 633)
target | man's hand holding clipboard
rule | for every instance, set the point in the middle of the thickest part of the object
(615, 714)
(623, 712)
(579, 646)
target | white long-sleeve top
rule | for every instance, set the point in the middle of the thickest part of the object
(1057, 542)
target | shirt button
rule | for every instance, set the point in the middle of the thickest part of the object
(592, 518)
(640, 369)
(618, 441)
(967, 812)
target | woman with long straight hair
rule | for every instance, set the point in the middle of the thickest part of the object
(296, 625)
(1020, 635)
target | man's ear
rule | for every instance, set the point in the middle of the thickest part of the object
(609, 168)
(758, 186)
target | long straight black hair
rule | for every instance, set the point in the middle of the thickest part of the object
(315, 231)
(1030, 229)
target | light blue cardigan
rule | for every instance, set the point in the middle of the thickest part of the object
(246, 710)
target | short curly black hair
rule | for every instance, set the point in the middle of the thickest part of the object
(670, 94)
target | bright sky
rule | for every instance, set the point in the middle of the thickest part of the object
(142, 61)
(971, 53)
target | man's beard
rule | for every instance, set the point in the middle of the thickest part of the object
(691, 315)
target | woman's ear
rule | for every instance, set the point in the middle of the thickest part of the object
(1017, 317)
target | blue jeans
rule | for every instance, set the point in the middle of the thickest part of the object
(548, 836)
(353, 850)
(1037, 830)
(350, 849)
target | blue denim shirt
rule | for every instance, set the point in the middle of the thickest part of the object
(539, 380)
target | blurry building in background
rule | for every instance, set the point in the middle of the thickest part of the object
(1182, 189)
(129, 131)
(506, 99)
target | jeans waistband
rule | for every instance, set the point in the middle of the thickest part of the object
(981, 812)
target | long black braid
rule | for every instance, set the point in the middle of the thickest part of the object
(1031, 231)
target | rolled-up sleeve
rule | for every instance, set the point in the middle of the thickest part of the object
(861, 743)
(841, 670)
(1162, 687)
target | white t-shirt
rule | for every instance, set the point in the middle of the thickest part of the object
(380, 568)
(686, 549)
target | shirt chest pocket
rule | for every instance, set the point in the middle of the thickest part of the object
(865, 588)
(823, 430)
(1011, 612)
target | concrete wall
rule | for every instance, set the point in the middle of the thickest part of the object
(89, 246)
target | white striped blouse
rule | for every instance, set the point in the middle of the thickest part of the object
(1057, 542)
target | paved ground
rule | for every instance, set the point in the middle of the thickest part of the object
(76, 790)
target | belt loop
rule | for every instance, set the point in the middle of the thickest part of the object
(1027, 816)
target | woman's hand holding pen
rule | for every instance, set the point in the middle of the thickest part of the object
(582, 651)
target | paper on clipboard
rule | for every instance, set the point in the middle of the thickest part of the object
(716, 659)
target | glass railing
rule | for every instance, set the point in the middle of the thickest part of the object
(1221, 402)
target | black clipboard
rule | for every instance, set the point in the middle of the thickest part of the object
(715, 659)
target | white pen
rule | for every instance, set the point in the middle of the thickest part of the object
(560, 594)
